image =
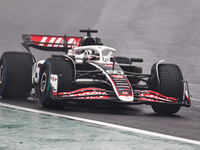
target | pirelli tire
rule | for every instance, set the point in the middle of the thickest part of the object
(63, 69)
(171, 85)
(15, 74)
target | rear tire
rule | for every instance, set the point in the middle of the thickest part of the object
(15, 74)
(171, 85)
(61, 68)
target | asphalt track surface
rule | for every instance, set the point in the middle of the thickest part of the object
(153, 30)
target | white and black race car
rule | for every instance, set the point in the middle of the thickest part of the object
(89, 72)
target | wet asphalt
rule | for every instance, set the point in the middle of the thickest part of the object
(153, 30)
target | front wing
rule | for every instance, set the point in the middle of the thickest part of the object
(98, 94)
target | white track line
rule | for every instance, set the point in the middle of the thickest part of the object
(169, 137)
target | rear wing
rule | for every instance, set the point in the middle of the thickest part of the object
(50, 43)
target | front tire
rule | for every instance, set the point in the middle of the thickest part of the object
(171, 85)
(61, 68)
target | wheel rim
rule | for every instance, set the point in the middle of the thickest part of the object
(43, 82)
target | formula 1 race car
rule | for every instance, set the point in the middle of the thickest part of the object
(89, 72)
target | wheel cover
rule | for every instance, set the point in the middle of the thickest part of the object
(43, 82)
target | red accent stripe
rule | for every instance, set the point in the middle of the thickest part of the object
(82, 90)
(149, 95)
